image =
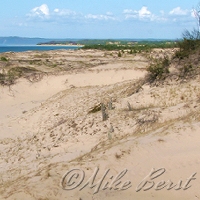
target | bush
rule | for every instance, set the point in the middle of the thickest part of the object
(189, 53)
(119, 54)
(187, 70)
(158, 70)
(189, 44)
(187, 47)
(4, 58)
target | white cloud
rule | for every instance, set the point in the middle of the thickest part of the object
(142, 14)
(66, 15)
(108, 16)
(128, 11)
(65, 12)
(56, 10)
(63, 16)
(72, 14)
(41, 12)
(178, 11)
(57, 15)
(181, 16)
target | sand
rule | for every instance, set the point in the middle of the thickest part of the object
(46, 131)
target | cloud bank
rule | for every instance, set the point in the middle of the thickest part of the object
(144, 14)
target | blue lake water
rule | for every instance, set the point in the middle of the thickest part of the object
(34, 48)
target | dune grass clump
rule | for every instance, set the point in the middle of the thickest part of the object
(17, 72)
(9, 78)
(20, 71)
(2, 78)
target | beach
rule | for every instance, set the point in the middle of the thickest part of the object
(52, 128)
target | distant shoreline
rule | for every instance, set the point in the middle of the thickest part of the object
(24, 48)
(64, 45)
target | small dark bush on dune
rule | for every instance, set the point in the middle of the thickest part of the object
(188, 54)
(4, 59)
(190, 44)
(158, 70)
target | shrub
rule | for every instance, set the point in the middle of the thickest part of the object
(158, 70)
(187, 47)
(119, 54)
(189, 44)
(4, 59)
(187, 70)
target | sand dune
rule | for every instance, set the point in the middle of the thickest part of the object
(46, 130)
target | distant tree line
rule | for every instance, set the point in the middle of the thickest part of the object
(139, 46)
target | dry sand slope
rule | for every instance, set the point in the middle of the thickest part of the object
(46, 130)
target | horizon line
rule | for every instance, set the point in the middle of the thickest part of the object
(85, 38)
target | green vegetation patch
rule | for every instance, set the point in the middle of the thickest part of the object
(133, 47)
(4, 59)
(158, 70)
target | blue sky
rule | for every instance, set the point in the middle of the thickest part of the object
(97, 18)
